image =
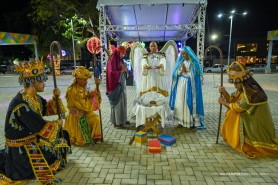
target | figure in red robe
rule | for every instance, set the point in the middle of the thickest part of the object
(116, 74)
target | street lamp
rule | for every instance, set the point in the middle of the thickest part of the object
(231, 16)
(73, 47)
(214, 37)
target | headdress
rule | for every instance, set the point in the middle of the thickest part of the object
(125, 44)
(121, 49)
(254, 93)
(30, 72)
(193, 59)
(81, 72)
(237, 73)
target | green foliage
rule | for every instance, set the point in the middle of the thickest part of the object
(52, 21)
(77, 27)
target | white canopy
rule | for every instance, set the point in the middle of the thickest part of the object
(153, 20)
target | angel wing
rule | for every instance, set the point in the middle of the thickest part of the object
(171, 52)
(136, 57)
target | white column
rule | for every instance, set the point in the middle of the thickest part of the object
(230, 40)
(268, 69)
(36, 51)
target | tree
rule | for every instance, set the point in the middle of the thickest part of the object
(51, 21)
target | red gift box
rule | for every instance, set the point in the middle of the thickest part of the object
(154, 146)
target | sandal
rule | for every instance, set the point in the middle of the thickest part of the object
(118, 126)
(97, 141)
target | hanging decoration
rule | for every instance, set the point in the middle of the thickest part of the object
(93, 45)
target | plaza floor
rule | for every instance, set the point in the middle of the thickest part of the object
(194, 159)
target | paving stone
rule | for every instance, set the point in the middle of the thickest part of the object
(116, 181)
(163, 182)
(96, 180)
(194, 159)
(129, 181)
(122, 176)
(109, 178)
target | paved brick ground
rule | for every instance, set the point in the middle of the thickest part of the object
(194, 159)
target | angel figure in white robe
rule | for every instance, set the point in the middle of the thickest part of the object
(153, 78)
(152, 71)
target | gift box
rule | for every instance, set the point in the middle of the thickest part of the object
(140, 137)
(167, 140)
(154, 146)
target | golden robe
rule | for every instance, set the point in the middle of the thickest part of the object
(79, 103)
(249, 128)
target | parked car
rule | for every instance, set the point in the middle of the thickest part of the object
(68, 71)
(3, 69)
(257, 68)
(215, 68)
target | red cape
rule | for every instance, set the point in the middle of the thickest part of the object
(113, 71)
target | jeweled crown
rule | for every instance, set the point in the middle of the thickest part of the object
(31, 71)
(237, 73)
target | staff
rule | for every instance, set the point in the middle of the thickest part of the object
(96, 76)
(52, 45)
(221, 84)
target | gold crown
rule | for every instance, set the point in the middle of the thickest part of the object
(125, 44)
(31, 71)
(82, 72)
(238, 73)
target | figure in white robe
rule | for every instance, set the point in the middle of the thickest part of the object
(183, 111)
(152, 76)
(186, 93)
(153, 72)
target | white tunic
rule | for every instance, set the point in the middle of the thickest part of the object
(154, 78)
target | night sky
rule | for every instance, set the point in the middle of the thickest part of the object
(262, 17)
(13, 16)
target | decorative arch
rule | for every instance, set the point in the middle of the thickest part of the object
(7, 38)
